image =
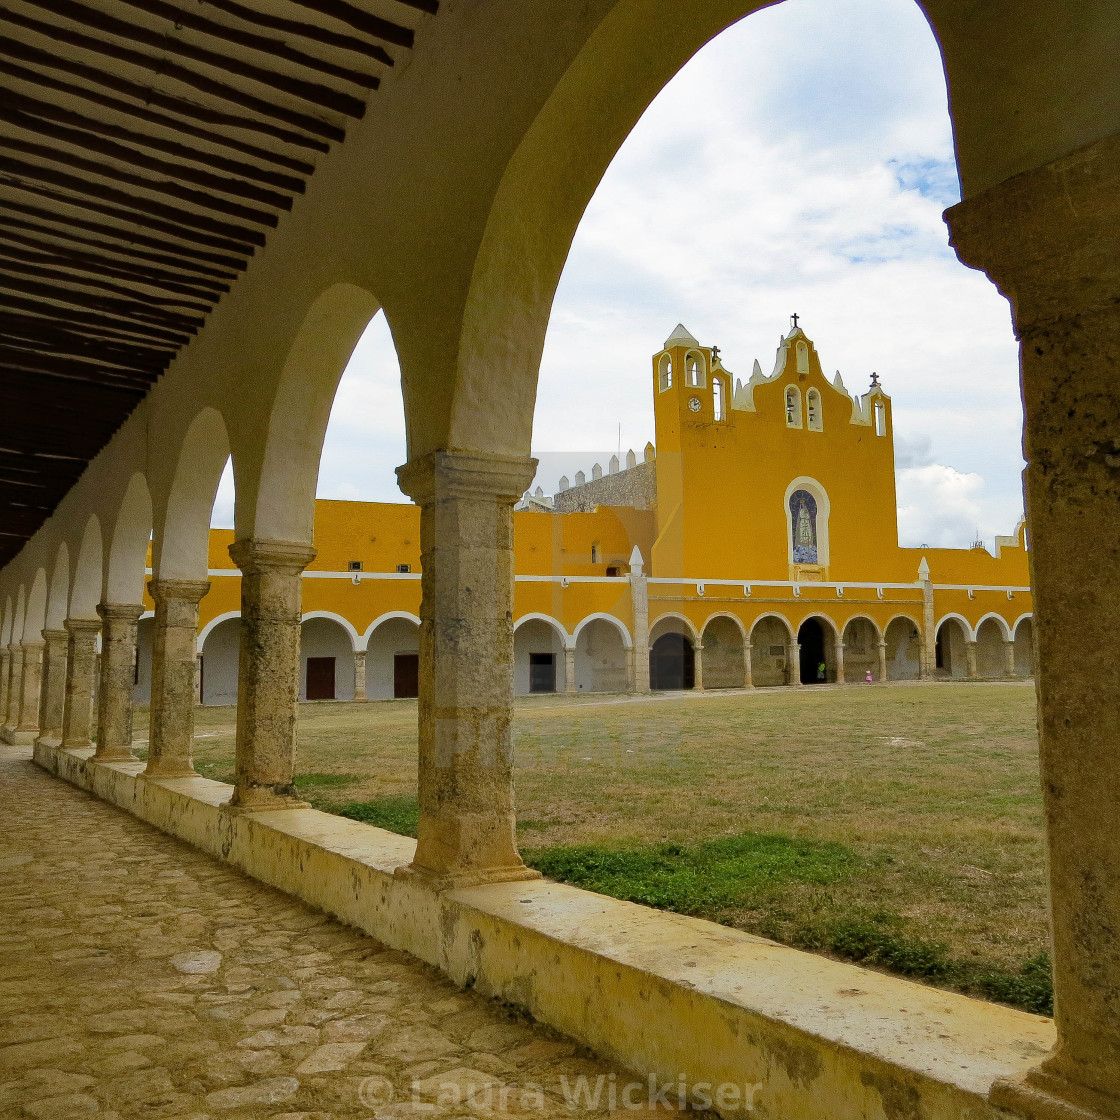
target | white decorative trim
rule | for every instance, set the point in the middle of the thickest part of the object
(969, 633)
(344, 623)
(388, 616)
(690, 629)
(215, 622)
(627, 641)
(1000, 622)
(556, 624)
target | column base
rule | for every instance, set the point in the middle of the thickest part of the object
(261, 799)
(445, 881)
(169, 771)
(14, 737)
(1041, 1096)
(122, 755)
(50, 742)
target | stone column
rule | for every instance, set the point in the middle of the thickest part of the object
(174, 662)
(839, 662)
(31, 684)
(118, 664)
(1009, 659)
(970, 660)
(927, 657)
(268, 672)
(639, 595)
(748, 669)
(793, 666)
(882, 659)
(1050, 240)
(5, 673)
(15, 685)
(359, 674)
(698, 667)
(466, 832)
(81, 677)
(570, 671)
(54, 686)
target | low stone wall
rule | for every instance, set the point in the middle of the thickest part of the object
(636, 486)
(803, 1037)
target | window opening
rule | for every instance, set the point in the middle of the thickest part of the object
(717, 397)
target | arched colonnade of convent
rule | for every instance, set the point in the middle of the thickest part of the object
(451, 207)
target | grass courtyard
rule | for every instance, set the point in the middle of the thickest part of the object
(900, 826)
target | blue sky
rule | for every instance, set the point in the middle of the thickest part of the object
(800, 162)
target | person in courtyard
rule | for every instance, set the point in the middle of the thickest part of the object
(822, 671)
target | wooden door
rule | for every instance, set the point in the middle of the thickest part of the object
(406, 675)
(320, 678)
(542, 672)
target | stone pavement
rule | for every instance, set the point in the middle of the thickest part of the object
(140, 978)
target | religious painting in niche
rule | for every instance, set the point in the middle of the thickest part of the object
(803, 517)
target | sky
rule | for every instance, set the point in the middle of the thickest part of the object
(799, 162)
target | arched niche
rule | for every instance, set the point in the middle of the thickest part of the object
(904, 644)
(723, 652)
(807, 511)
(861, 649)
(771, 638)
(538, 656)
(393, 658)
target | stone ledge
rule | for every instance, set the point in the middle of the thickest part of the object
(659, 993)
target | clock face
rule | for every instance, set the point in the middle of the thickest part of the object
(694, 404)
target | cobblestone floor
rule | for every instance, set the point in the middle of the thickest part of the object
(142, 978)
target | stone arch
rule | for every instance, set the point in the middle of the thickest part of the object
(392, 644)
(326, 654)
(861, 639)
(992, 636)
(602, 645)
(904, 648)
(723, 642)
(694, 375)
(86, 591)
(950, 646)
(128, 548)
(276, 501)
(814, 411)
(663, 623)
(1024, 646)
(59, 594)
(345, 623)
(772, 638)
(35, 617)
(539, 642)
(817, 637)
(180, 546)
(219, 643)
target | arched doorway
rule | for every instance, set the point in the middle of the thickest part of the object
(1024, 648)
(861, 650)
(538, 658)
(770, 642)
(219, 663)
(600, 658)
(327, 658)
(903, 650)
(672, 663)
(393, 660)
(951, 651)
(991, 661)
(817, 664)
(723, 654)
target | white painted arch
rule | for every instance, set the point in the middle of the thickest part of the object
(216, 621)
(673, 616)
(388, 616)
(346, 625)
(969, 632)
(1026, 616)
(862, 618)
(1000, 621)
(725, 614)
(791, 633)
(627, 641)
(536, 616)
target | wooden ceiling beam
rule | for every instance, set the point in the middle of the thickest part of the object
(38, 110)
(186, 256)
(158, 335)
(165, 68)
(146, 97)
(361, 20)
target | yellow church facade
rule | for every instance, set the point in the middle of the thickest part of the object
(754, 545)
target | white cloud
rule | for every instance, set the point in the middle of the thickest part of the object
(800, 162)
(938, 506)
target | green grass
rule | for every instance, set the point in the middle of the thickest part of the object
(744, 870)
(394, 814)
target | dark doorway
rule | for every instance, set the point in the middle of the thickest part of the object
(406, 675)
(672, 663)
(320, 678)
(542, 672)
(811, 639)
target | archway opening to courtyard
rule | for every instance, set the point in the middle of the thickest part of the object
(142, 672)
(393, 660)
(538, 658)
(770, 652)
(722, 652)
(861, 650)
(326, 657)
(904, 650)
(1024, 648)
(672, 663)
(991, 649)
(600, 658)
(218, 663)
(951, 650)
(817, 656)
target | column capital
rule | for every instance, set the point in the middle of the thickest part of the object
(254, 556)
(82, 625)
(189, 590)
(1048, 237)
(465, 474)
(31, 644)
(53, 635)
(120, 612)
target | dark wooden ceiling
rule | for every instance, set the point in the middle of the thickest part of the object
(146, 149)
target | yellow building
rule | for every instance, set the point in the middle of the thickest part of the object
(757, 546)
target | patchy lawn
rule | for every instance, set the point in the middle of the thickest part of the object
(899, 825)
